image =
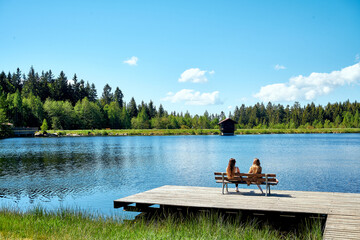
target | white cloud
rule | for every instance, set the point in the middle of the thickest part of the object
(230, 107)
(192, 97)
(195, 75)
(132, 61)
(357, 58)
(310, 87)
(279, 67)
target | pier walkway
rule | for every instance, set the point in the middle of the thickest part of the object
(25, 131)
(342, 209)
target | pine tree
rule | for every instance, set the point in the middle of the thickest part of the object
(118, 97)
(107, 96)
(44, 126)
(92, 93)
(5, 85)
(132, 108)
(44, 90)
(161, 111)
(75, 89)
(31, 84)
(82, 90)
(59, 90)
(152, 109)
(16, 80)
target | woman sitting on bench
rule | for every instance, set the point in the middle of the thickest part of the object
(231, 170)
(255, 168)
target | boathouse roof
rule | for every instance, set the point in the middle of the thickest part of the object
(226, 120)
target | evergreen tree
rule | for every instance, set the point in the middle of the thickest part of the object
(152, 109)
(44, 90)
(93, 93)
(82, 90)
(5, 85)
(161, 111)
(237, 114)
(132, 108)
(16, 80)
(31, 85)
(348, 120)
(107, 96)
(118, 97)
(44, 126)
(222, 115)
(50, 77)
(59, 90)
(75, 89)
(356, 122)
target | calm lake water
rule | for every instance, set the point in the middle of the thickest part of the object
(90, 172)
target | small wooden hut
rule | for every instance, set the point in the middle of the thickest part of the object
(227, 127)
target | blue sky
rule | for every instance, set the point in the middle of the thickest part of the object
(192, 55)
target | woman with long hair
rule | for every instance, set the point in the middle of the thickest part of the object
(255, 168)
(231, 170)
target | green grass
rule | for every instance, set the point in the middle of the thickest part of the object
(68, 224)
(137, 132)
(162, 132)
(297, 130)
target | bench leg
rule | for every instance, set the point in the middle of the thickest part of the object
(227, 190)
(223, 185)
(266, 192)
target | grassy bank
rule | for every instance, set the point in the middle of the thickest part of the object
(136, 132)
(297, 130)
(161, 132)
(39, 224)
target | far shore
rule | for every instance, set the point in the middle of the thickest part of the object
(166, 132)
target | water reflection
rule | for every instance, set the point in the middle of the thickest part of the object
(93, 171)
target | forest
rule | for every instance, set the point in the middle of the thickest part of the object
(49, 102)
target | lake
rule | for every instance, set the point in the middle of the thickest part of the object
(90, 172)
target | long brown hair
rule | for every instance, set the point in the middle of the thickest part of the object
(256, 162)
(230, 170)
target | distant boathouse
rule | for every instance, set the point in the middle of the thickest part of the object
(227, 127)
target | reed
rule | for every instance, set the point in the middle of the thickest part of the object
(72, 224)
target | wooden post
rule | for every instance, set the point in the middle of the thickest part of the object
(266, 192)
(223, 183)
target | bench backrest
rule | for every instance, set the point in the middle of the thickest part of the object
(243, 177)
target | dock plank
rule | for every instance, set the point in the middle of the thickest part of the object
(342, 209)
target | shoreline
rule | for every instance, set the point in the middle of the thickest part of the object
(170, 132)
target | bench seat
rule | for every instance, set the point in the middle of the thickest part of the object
(247, 178)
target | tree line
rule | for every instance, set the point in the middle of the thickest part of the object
(36, 100)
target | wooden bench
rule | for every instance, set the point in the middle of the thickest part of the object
(247, 178)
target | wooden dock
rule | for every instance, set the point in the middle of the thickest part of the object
(342, 209)
(24, 131)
